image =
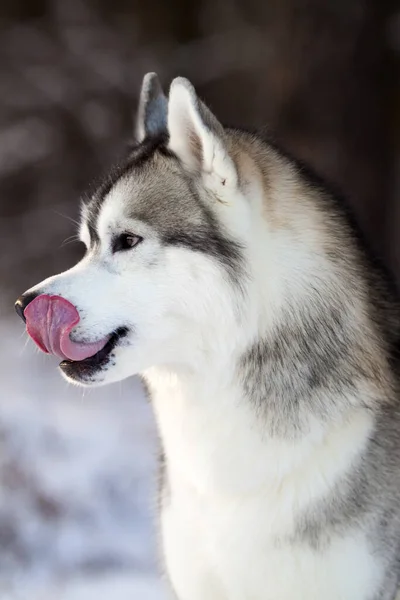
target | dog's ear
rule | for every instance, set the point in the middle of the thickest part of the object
(196, 136)
(152, 112)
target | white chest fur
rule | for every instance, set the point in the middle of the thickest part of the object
(234, 496)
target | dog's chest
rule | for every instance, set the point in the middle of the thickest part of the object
(232, 501)
(242, 550)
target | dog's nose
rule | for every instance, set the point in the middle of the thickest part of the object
(23, 302)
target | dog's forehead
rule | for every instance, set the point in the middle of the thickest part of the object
(161, 194)
(156, 192)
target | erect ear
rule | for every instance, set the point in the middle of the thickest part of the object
(152, 112)
(196, 136)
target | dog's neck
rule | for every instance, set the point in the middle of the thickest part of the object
(217, 440)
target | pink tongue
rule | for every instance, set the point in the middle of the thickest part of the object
(49, 321)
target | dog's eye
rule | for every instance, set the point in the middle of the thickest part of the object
(126, 241)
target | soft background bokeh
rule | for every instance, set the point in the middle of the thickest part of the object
(322, 76)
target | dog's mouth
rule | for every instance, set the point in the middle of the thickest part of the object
(88, 366)
(50, 321)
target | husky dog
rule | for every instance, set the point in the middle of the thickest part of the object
(236, 284)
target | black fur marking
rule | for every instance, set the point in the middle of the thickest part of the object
(208, 240)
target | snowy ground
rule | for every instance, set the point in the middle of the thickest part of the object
(77, 473)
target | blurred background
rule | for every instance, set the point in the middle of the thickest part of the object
(321, 76)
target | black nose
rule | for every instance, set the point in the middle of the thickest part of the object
(23, 302)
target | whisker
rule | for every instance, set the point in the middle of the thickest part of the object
(74, 221)
(69, 240)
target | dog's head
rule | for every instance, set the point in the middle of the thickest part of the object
(163, 276)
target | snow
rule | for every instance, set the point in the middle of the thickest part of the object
(77, 483)
(117, 586)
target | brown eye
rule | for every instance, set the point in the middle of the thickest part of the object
(126, 241)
